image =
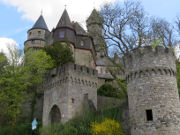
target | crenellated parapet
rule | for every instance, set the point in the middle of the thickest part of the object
(149, 58)
(149, 72)
(72, 72)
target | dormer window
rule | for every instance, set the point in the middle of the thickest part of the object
(82, 43)
(61, 34)
(63, 22)
(39, 32)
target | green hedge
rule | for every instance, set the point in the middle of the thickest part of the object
(82, 125)
(21, 129)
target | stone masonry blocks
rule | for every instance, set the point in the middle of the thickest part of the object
(66, 87)
(152, 87)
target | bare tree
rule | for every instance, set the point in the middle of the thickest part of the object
(163, 31)
(178, 24)
(127, 26)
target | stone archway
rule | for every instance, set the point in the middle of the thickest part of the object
(55, 114)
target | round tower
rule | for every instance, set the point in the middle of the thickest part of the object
(36, 35)
(152, 91)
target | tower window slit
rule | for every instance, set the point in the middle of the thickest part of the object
(149, 115)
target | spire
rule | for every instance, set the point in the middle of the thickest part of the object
(65, 20)
(94, 18)
(40, 24)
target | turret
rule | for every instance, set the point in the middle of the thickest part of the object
(64, 30)
(36, 35)
(95, 26)
(152, 91)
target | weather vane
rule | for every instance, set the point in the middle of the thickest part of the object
(65, 6)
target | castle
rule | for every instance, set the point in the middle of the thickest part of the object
(154, 106)
(67, 88)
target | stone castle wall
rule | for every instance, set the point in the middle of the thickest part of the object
(84, 57)
(33, 33)
(104, 102)
(67, 87)
(34, 44)
(152, 87)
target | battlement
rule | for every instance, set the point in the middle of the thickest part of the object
(149, 58)
(158, 71)
(66, 87)
(73, 73)
(159, 50)
(152, 85)
(71, 68)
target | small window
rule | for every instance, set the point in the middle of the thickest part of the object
(74, 67)
(33, 41)
(72, 99)
(82, 43)
(61, 34)
(107, 71)
(30, 33)
(87, 70)
(101, 70)
(149, 115)
(39, 32)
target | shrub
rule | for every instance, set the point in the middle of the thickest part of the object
(107, 90)
(178, 75)
(107, 127)
(60, 53)
(81, 125)
(21, 129)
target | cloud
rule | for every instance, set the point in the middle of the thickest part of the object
(5, 43)
(78, 10)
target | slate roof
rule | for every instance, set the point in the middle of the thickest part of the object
(40, 24)
(87, 42)
(64, 20)
(94, 18)
(79, 30)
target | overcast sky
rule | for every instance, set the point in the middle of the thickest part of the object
(17, 16)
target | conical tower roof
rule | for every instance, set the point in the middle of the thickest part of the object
(94, 18)
(64, 20)
(40, 24)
